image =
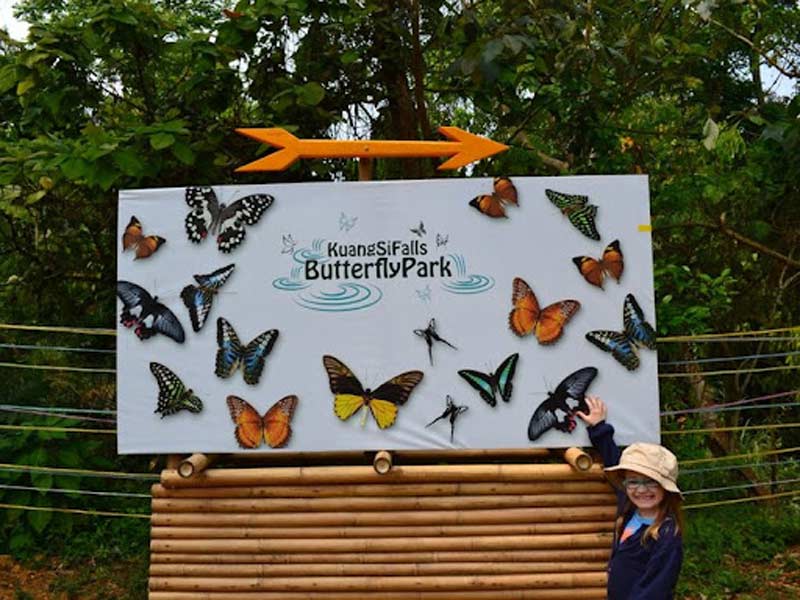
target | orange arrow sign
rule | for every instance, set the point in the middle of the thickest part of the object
(463, 149)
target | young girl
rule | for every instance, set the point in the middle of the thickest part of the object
(647, 550)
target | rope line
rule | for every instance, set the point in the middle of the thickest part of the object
(79, 472)
(698, 461)
(737, 428)
(56, 348)
(88, 411)
(740, 500)
(740, 486)
(730, 371)
(710, 407)
(97, 513)
(756, 407)
(698, 361)
(58, 329)
(30, 488)
(58, 415)
(777, 463)
(716, 336)
(56, 368)
(56, 429)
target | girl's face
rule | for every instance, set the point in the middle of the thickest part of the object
(645, 494)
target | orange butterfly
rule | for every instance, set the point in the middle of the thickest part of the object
(251, 428)
(145, 245)
(594, 271)
(493, 205)
(546, 323)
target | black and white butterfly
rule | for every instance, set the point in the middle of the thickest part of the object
(491, 384)
(623, 344)
(232, 353)
(441, 240)
(146, 315)
(226, 222)
(558, 410)
(198, 298)
(172, 394)
(451, 412)
(346, 223)
(289, 244)
(430, 335)
(420, 230)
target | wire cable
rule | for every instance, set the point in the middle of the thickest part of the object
(777, 463)
(729, 371)
(30, 488)
(740, 486)
(737, 428)
(740, 500)
(79, 472)
(56, 429)
(56, 348)
(714, 336)
(56, 368)
(96, 513)
(698, 461)
(698, 361)
(710, 407)
(59, 329)
(59, 415)
(88, 411)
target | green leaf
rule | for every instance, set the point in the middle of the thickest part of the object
(24, 85)
(183, 152)
(22, 540)
(8, 77)
(311, 93)
(35, 197)
(39, 519)
(42, 481)
(75, 168)
(346, 58)
(160, 141)
(129, 162)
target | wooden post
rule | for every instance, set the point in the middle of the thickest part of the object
(382, 462)
(195, 464)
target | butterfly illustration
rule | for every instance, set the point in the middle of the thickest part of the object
(494, 204)
(441, 240)
(558, 410)
(383, 402)
(172, 394)
(622, 344)
(576, 209)
(594, 271)
(547, 323)
(226, 222)
(430, 336)
(419, 230)
(146, 314)
(451, 412)
(489, 385)
(288, 244)
(198, 298)
(346, 223)
(274, 428)
(232, 354)
(424, 294)
(143, 245)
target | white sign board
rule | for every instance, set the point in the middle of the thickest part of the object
(365, 273)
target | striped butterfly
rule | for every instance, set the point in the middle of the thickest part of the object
(232, 354)
(576, 208)
(198, 298)
(172, 394)
(622, 344)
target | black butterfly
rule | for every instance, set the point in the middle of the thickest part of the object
(546, 416)
(451, 412)
(226, 222)
(198, 298)
(146, 314)
(172, 394)
(429, 335)
(489, 385)
(420, 231)
(232, 354)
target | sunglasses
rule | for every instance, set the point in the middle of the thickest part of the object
(647, 484)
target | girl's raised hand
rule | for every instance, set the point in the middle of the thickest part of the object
(598, 411)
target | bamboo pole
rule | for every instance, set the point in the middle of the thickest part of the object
(382, 463)
(195, 464)
(365, 168)
(578, 459)
(546, 594)
(390, 489)
(400, 474)
(198, 533)
(485, 556)
(571, 540)
(360, 570)
(173, 460)
(356, 503)
(403, 518)
(398, 584)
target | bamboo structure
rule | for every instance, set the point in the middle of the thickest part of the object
(414, 531)
(578, 459)
(382, 462)
(194, 464)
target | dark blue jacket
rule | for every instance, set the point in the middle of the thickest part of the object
(636, 571)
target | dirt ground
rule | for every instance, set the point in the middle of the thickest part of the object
(777, 580)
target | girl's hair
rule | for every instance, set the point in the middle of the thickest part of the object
(671, 507)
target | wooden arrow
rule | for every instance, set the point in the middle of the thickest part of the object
(463, 149)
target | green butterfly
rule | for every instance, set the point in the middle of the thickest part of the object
(488, 385)
(576, 209)
(172, 394)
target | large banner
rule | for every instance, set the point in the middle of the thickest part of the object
(453, 313)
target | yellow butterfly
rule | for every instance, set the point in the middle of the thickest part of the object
(383, 402)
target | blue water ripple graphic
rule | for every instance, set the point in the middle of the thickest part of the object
(349, 297)
(464, 283)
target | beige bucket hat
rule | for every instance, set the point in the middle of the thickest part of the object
(651, 460)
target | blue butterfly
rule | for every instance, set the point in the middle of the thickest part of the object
(622, 344)
(489, 385)
(198, 298)
(232, 354)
